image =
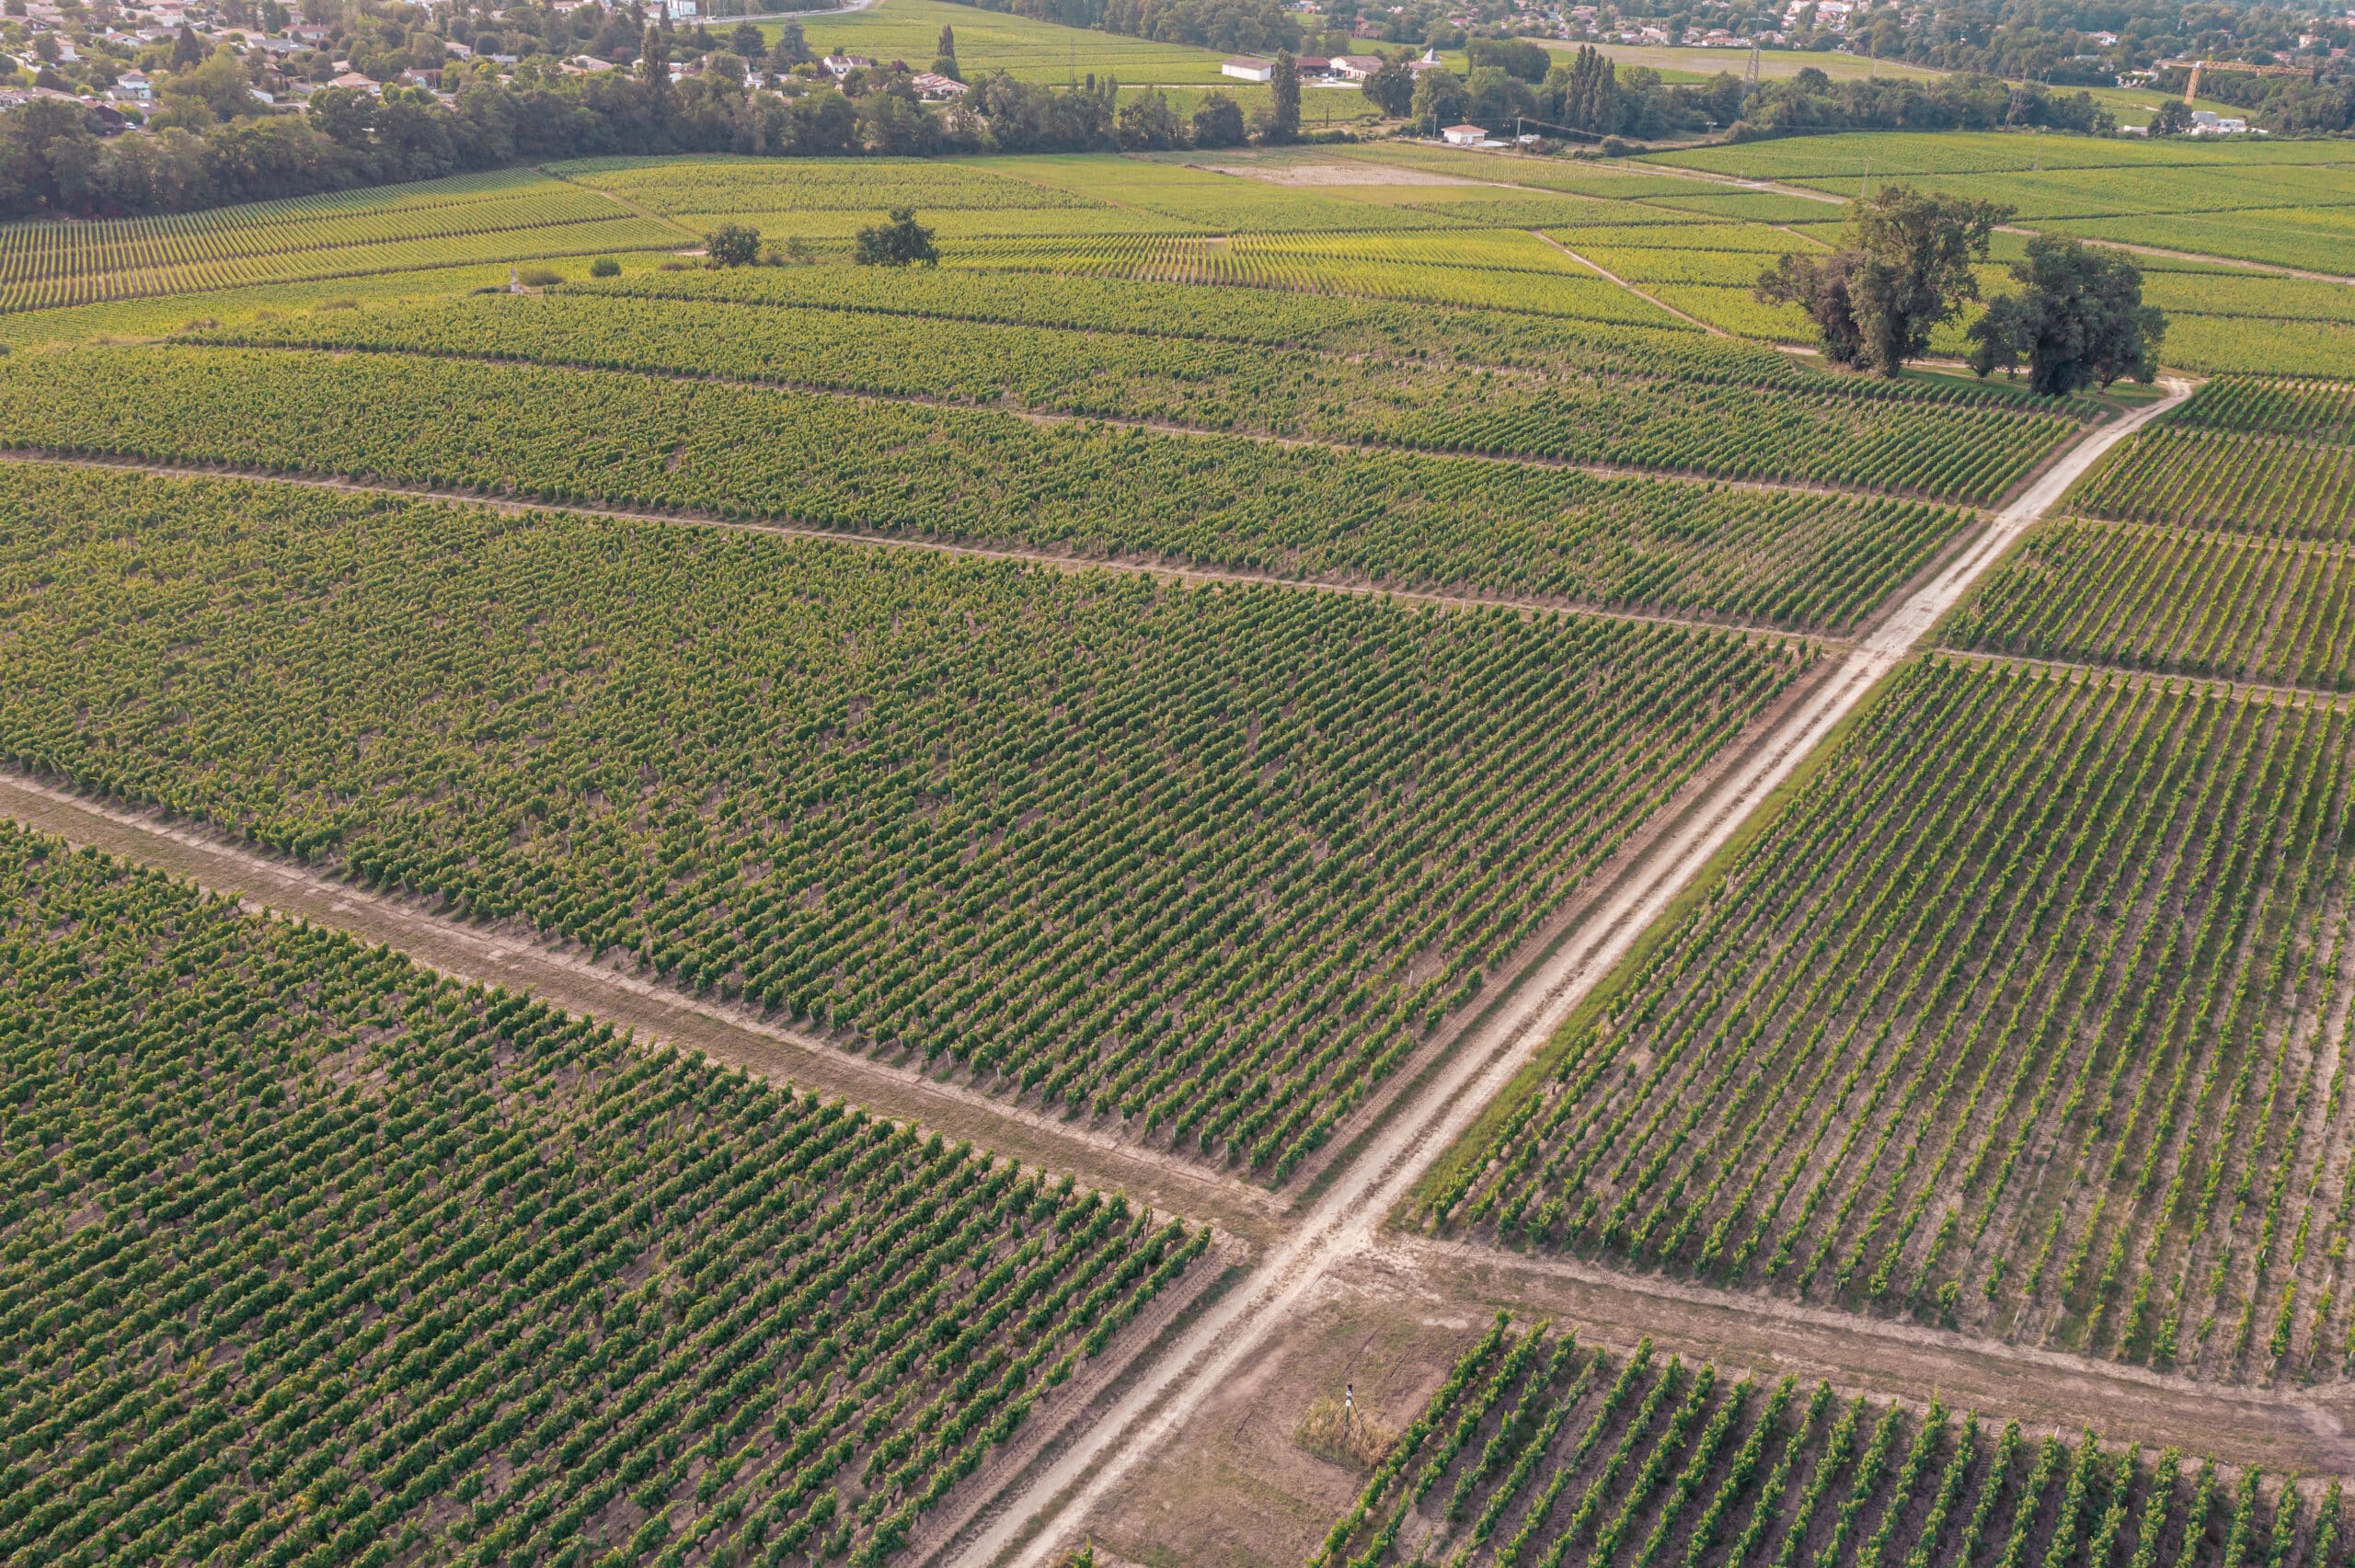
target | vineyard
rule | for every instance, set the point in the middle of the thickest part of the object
(1538, 1450)
(316, 1258)
(2212, 605)
(1212, 860)
(474, 218)
(2318, 411)
(1548, 533)
(770, 185)
(2027, 1016)
(1970, 453)
(1507, 277)
(1255, 315)
(2191, 477)
(1992, 151)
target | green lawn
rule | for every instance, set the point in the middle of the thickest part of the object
(993, 40)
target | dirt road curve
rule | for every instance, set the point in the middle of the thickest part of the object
(727, 1035)
(1037, 1519)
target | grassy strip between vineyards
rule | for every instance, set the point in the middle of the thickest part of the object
(1539, 1450)
(1970, 452)
(2097, 922)
(1210, 859)
(315, 1257)
(1398, 519)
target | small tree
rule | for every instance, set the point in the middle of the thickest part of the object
(1218, 122)
(903, 242)
(747, 41)
(1391, 88)
(1283, 123)
(792, 48)
(2079, 319)
(732, 245)
(1904, 271)
(943, 55)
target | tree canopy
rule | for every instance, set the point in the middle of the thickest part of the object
(903, 242)
(2078, 320)
(1904, 270)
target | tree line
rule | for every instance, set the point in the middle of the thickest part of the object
(55, 160)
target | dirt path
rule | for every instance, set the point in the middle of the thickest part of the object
(685, 519)
(2301, 1430)
(1038, 1517)
(1710, 327)
(564, 977)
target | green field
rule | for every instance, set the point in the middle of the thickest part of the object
(519, 216)
(999, 40)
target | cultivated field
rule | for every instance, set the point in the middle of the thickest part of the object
(1195, 691)
(1538, 1449)
(2025, 1015)
(314, 1255)
(1209, 859)
(1460, 525)
(515, 216)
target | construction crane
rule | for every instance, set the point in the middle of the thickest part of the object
(2191, 88)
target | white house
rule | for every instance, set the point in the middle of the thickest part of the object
(1356, 67)
(1464, 135)
(135, 87)
(844, 64)
(1243, 68)
(934, 87)
(2208, 122)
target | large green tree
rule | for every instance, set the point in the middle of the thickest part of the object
(903, 242)
(2078, 320)
(1392, 88)
(1283, 123)
(1904, 271)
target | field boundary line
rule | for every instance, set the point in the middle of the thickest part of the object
(562, 975)
(2246, 690)
(1048, 419)
(1347, 1221)
(1128, 565)
(1772, 1331)
(1713, 329)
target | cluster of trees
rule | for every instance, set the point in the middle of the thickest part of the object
(2319, 104)
(1511, 78)
(2077, 318)
(53, 159)
(1258, 27)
